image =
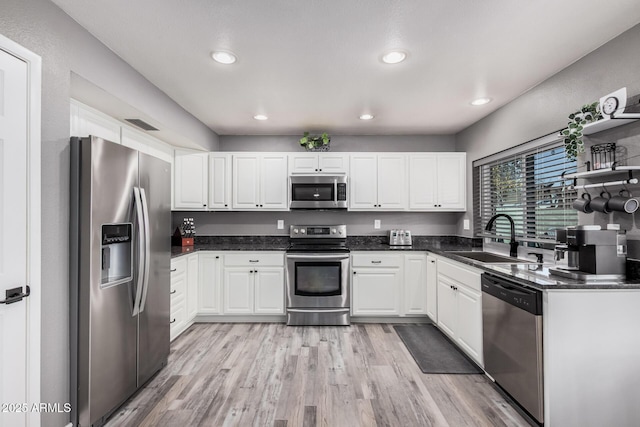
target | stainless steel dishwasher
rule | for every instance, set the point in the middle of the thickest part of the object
(512, 339)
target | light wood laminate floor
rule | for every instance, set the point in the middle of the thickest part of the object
(268, 374)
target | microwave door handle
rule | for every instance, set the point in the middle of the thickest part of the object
(335, 192)
(147, 247)
(140, 240)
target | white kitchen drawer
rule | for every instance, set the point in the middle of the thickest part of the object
(375, 259)
(254, 259)
(178, 266)
(461, 273)
(178, 291)
(177, 319)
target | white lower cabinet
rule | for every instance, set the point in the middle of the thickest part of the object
(388, 284)
(415, 283)
(178, 311)
(184, 293)
(209, 283)
(192, 286)
(432, 288)
(459, 307)
(376, 291)
(237, 290)
(253, 283)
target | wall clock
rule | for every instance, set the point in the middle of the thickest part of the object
(613, 102)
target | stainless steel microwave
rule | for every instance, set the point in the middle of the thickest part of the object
(318, 192)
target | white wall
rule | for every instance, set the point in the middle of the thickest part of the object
(65, 47)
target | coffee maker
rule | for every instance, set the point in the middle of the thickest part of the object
(587, 252)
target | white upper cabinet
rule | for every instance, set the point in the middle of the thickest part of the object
(378, 181)
(219, 181)
(190, 180)
(260, 181)
(392, 181)
(321, 163)
(437, 181)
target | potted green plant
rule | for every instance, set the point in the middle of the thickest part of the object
(572, 134)
(315, 143)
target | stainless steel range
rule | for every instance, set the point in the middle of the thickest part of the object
(318, 275)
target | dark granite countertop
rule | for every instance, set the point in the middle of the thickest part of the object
(536, 276)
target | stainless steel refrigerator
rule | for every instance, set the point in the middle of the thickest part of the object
(120, 249)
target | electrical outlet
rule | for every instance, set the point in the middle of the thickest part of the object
(376, 224)
(465, 224)
(280, 224)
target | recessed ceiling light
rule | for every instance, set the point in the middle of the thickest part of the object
(394, 57)
(366, 117)
(481, 101)
(223, 57)
(260, 117)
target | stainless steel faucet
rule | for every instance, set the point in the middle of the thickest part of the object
(513, 245)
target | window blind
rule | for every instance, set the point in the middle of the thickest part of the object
(529, 187)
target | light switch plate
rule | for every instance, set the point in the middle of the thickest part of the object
(465, 224)
(280, 224)
(376, 224)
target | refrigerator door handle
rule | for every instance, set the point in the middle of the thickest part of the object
(147, 248)
(141, 255)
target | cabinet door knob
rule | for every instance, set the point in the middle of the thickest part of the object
(204, 205)
(173, 321)
(316, 170)
(320, 170)
(217, 257)
(354, 272)
(433, 261)
(225, 205)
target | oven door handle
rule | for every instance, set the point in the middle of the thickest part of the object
(335, 192)
(312, 256)
(315, 310)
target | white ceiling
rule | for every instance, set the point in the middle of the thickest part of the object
(315, 64)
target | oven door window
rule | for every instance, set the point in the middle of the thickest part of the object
(320, 279)
(312, 192)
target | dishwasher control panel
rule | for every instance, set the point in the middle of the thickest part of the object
(513, 293)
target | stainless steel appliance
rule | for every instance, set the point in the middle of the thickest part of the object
(318, 192)
(587, 252)
(119, 274)
(512, 340)
(317, 275)
(399, 237)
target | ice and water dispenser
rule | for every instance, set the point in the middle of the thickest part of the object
(117, 253)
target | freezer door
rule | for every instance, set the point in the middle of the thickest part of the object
(153, 338)
(103, 327)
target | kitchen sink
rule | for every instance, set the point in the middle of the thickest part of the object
(489, 258)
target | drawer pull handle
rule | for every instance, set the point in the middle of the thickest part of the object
(173, 321)
(254, 260)
(376, 262)
(173, 292)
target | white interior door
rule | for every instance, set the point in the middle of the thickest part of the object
(13, 238)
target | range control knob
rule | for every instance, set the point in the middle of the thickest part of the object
(295, 231)
(339, 231)
(303, 231)
(333, 231)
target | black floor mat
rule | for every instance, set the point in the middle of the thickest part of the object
(433, 352)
